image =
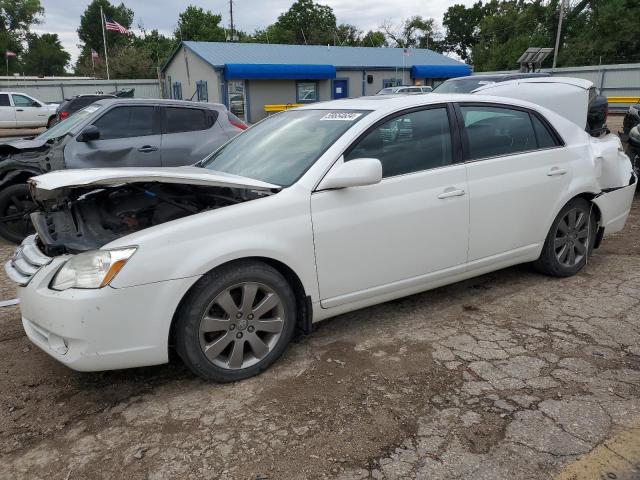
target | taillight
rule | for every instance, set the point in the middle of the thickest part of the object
(62, 115)
(236, 122)
(240, 125)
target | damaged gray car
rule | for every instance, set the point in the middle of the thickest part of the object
(110, 133)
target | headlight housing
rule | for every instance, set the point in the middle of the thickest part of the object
(93, 269)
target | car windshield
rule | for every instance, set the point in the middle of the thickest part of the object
(386, 91)
(280, 149)
(462, 86)
(65, 126)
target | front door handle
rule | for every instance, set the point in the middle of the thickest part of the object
(19, 110)
(147, 149)
(555, 171)
(451, 192)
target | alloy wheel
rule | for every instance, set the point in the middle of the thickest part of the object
(571, 242)
(241, 325)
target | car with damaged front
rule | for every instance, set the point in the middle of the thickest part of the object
(309, 214)
(110, 132)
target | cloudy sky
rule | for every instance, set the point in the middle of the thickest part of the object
(63, 16)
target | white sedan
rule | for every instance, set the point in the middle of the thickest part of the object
(311, 213)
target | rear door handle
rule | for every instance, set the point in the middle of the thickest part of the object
(556, 171)
(19, 110)
(451, 192)
(147, 149)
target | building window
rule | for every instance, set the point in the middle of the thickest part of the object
(201, 90)
(177, 90)
(306, 92)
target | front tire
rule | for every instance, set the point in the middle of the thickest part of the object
(236, 321)
(570, 240)
(15, 206)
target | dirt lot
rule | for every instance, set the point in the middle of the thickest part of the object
(510, 375)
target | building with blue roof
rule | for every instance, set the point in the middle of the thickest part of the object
(248, 76)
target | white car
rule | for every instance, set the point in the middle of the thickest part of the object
(310, 213)
(19, 110)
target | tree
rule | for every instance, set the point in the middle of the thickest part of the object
(197, 25)
(305, 22)
(16, 18)
(374, 39)
(414, 32)
(348, 35)
(45, 55)
(462, 25)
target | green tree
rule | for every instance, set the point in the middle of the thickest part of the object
(45, 55)
(16, 18)
(348, 35)
(305, 22)
(90, 30)
(414, 32)
(373, 39)
(197, 25)
(462, 25)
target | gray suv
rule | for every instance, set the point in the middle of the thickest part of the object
(110, 133)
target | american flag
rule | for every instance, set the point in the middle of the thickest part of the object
(111, 24)
(9, 53)
(94, 54)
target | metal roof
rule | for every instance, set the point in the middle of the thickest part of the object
(218, 54)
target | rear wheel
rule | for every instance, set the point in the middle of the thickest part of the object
(236, 322)
(15, 207)
(570, 240)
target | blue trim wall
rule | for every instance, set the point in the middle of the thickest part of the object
(440, 71)
(241, 71)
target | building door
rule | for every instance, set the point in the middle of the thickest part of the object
(237, 98)
(340, 89)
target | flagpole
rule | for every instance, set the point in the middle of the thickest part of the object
(93, 65)
(104, 40)
(6, 57)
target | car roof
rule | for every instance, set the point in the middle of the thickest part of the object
(157, 101)
(501, 76)
(390, 103)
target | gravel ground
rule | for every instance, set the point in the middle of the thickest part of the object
(509, 375)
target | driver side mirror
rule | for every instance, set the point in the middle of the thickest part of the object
(88, 134)
(354, 173)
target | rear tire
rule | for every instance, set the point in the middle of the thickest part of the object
(15, 207)
(570, 240)
(236, 321)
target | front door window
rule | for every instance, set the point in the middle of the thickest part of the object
(237, 98)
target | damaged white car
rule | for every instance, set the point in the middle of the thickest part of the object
(311, 213)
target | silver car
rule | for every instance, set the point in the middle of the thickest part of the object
(405, 90)
(110, 133)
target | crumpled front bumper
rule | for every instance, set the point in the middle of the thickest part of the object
(615, 205)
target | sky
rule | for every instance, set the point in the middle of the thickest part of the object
(63, 16)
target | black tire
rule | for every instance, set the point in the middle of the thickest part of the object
(198, 302)
(51, 122)
(582, 237)
(15, 207)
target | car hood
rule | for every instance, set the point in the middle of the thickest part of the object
(51, 185)
(23, 144)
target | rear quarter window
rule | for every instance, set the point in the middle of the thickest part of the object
(180, 119)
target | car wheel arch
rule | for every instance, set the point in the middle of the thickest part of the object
(304, 309)
(589, 196)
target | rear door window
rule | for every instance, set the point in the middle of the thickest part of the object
(180, 119)
(495, 131)
(4, 100)
(126, 122)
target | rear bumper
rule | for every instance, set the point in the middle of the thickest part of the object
(615, 205)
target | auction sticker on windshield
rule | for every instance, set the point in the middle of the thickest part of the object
(343, 116)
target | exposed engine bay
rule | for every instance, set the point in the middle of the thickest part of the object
(88, 218)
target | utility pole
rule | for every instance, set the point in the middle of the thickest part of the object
(555, 52)
(231, 19)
